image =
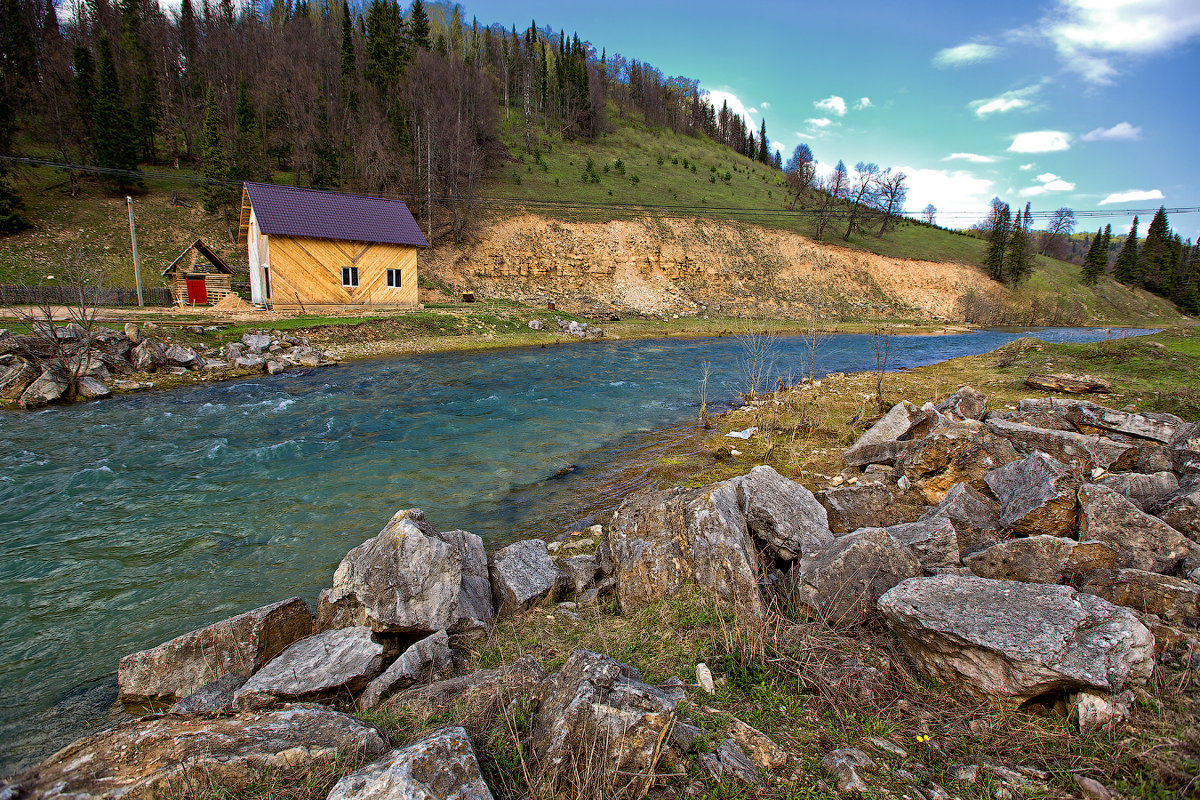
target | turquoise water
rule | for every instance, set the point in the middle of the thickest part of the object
(126, 522)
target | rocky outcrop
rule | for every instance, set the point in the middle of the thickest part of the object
(240, 645)
(840, 584)
(422, 662)
(782, 514)
(1141, 541)
(332, 666)
(1012, 641)
(405, 580)
(1036, 494)
(162, 756)
(440, 766)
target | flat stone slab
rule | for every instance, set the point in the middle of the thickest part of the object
(420, 663)
(441, 766)
(333, 665)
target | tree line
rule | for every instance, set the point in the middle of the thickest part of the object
(869, 197)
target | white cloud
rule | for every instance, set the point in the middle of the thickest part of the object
(974, 158)
(965, 54)
(864, 102)
(1009, 101)
(832, 105)
(719, 96)
(778, 146)
(1088, 34)
(822, 122)
(1027, 166)
(752, 110)
(1049, 182)
(1122, 130)
(1132, 196)
(948, 189)
(765, 105)
(1040, 142)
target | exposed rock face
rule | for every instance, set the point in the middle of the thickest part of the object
(894, 425)
(596, 710)
(475, 596)
(142, 760)
(960, 452)
(420, 663)
(966, 403)
(1142, 541)
(441, 766)
(524, 574)
(1090, 451)
(1014, 641)
(211, 697)
(1036, 494)
(660, 541)
(239, 645)
(933, 541)
(1173, 599)
(1181, 509)
(405, 580)
(975, 517)
(52, 384)
(1144, 491)
(1042, 559)
(865, 505)
(782, 513)
(841, 583)
(330, 666)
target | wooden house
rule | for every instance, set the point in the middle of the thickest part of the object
(194, 282)
(311, 248)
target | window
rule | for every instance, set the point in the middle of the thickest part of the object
(393, 278)
(349, 276)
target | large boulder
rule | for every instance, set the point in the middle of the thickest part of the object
(1090, 451)
(91, 388)
(660, 541)
(596, 713)
(1181, 509)
(405, 580)
(1144, 491)
(1036, 494)
(523, 574)
(15, 376)
(966, 403)
(1041, 559)
(179, 356)
(933, 541)
(147, 355)
(52, 384)
(960, 452)
(331, 666)
(875, 445)
(781, 513)
(1012, 641)
(1173, 599)
(475, 597)
(164, 756)
(256, 342)
(974, 515)
(863, 505)
(1141, 541)
(440, 766)
(840, 584)
(422, 662)
(1153, 426)
(240, 645)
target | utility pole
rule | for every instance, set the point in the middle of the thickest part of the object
(137, 263)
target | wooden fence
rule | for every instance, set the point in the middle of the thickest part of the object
(68, 296)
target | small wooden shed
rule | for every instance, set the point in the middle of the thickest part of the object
(310, 248)
(194, 282)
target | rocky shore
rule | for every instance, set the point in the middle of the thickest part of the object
(1053, 560)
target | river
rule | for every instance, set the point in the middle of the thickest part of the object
(128, 521)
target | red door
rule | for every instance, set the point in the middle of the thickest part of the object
(197, 293)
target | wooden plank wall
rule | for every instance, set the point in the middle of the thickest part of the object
(308, 271)
(216, 285)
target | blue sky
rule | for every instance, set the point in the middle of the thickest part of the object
(1089, 104)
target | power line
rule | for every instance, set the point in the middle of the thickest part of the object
(582, 205)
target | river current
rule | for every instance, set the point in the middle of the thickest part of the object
(129, 521)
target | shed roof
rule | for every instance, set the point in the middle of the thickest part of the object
(204, 250)
(288, 211)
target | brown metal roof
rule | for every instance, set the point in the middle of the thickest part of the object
(288, 211)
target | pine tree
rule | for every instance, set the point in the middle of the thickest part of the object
(418, 26)
(349, 63)
(1125, 269)
(764, 154)
(11, 204)
(1017, 257)
(115, 137)
(1091, 262)
(215, 167)
(998, 230)
(85, 96)
(1154, 261)
(18, 56)
(245, 165)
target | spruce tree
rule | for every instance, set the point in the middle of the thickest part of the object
(11, 204)
(1091, 262)
(1017, 264)
(215, 168)
(245, 165)
(418, 27)
(1125, 269)
(349, 65)
(999, 220)
(85, 97)
(114, 139)
(764, 155)
(1154, 261)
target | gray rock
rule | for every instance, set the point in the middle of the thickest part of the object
(845, 765)
(1142, 541)
(598, 713)
(524, 574)
(659, 542)
(440, 766)
(537, 325)
(933, 541)
(1173, 599)
(1089, 451)
(239, 645)
(309, 360)
(234, 351)
(841, 583)
(329, 666)
(132, 333)
(15, 376)
(1041, 559)
(147, 356)
(1181, 509)
(404, 580)
(475, 595)
(956, 453)
(1012, 641)
(782, 513)
(974, 515)
(966, 403)
(1144, 491)
(865, 505)
(51, 385)
(250, 362)
(91, 388)
(420, 663)
(476, 689)
(581, 572)
(1153, 426)
(211, 698)
(1091, 712)
(730, 758)
(1036, 494)
(274, 368)
(1185, 449)
(180, 356)
(892, 427)
(169, 756)
(256, 342)
(132, 386)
